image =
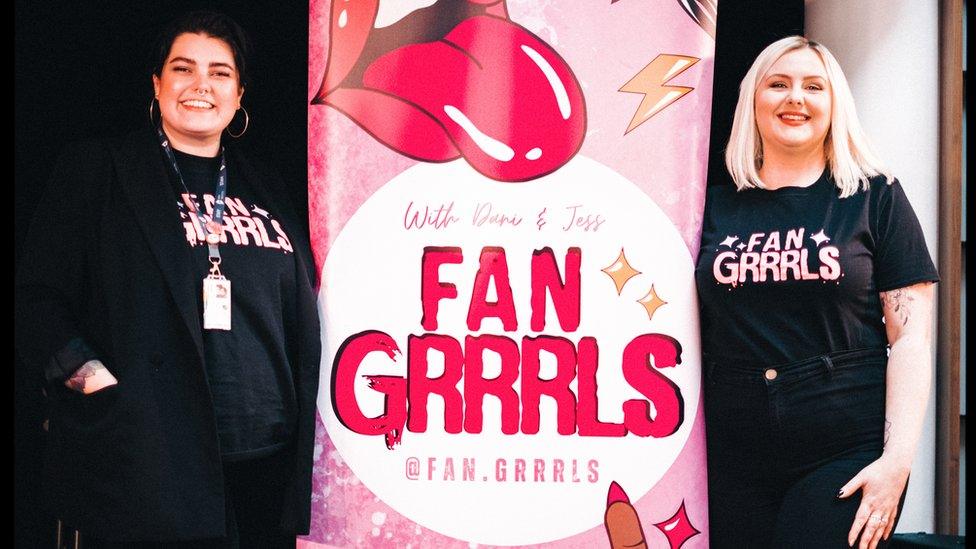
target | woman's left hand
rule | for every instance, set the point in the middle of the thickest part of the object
(881, 484)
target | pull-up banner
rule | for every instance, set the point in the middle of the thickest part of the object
(505, 201)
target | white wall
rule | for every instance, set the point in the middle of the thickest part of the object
(889, 51)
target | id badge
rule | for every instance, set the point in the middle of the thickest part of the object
(216, 303)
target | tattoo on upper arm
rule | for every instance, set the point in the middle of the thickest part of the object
(897, 301)
(81, 375)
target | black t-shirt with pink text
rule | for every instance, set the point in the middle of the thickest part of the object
(795, 272)
(248, 367)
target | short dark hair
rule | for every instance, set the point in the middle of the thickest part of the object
(209, 23)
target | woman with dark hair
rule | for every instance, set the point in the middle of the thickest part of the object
(815, 290)
(167, 295)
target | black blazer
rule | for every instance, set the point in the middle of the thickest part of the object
(106, 272)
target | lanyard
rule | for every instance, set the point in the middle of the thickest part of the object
(213, 229)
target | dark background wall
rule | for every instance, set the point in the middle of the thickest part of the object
(82, 69)
(745, 27)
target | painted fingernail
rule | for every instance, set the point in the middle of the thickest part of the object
(840, 492)
(616, 493)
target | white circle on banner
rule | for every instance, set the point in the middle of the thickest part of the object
(465, 485)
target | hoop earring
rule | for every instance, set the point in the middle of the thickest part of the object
(247, 120)
(151, 121)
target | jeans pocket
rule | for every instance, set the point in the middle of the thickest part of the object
(832, 413)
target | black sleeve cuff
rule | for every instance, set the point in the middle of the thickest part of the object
(66, 361)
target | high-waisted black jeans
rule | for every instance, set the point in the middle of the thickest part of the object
(782, 440)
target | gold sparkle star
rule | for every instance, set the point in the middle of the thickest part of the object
(651, 302)
(620, 271)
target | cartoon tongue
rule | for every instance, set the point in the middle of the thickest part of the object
(488, 90)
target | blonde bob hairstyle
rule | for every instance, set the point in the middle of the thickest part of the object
(849, 158)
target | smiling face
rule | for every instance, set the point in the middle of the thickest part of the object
(198, 90)
(793, 104)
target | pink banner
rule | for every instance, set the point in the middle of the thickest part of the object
(505, 202)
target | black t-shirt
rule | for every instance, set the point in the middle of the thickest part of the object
(792, 273)
(248, 366)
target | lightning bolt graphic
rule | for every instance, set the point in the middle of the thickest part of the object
(651, 81)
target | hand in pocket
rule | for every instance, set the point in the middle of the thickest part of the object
(92, 376)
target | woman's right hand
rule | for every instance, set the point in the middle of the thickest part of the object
(91, 377)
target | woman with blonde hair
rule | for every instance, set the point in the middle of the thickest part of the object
(816, 292)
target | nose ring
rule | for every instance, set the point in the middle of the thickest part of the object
(201, 91)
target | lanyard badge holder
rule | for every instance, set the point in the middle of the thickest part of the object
(216, 287)
(216, 298)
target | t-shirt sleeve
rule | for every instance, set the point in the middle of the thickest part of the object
(901, 256)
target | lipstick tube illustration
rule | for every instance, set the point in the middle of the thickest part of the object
(623, 526)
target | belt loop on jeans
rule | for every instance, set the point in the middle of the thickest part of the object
(828, 365)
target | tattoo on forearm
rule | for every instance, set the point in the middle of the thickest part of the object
(887, 432)
(897, 301)
(81, 375)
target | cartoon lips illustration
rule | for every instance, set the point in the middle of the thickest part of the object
(456, 78)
